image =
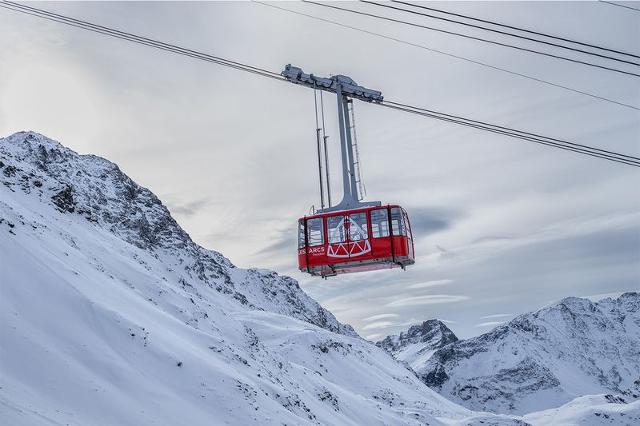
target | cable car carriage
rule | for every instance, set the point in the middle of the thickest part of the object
(355, 240)
(352, 236)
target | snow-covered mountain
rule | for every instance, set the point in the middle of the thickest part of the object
(544, 359)
(111, 315)
(419, 342)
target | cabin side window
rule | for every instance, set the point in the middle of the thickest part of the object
(407, 225)
(397, 224)
(358, 229)
(335, 226)
(379, 223)
(315, 232)
(301, 234)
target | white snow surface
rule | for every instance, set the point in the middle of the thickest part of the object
(544, 359)
(111, 315)
(590, 410)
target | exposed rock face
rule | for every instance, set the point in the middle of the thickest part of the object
(97, 190)
(544, 359)
(419, 342)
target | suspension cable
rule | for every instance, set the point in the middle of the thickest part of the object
(514, 133)
(505, 33)
(484, 40)
(511, 27)
(318, 143)
(326, 156)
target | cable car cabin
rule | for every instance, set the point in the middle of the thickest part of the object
(356, 240)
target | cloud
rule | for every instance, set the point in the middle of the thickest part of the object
(379, 324)
(433, 299)
(496, 316)
(428, 284)
(187, 209)
(380, 316)
(489, 324)
(374, 337)
(429, 220)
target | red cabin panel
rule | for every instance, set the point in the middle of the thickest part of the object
(356, 240)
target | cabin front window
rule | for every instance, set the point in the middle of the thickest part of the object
(358, 229)
(337, 233)
(379, 223)
(315, 232)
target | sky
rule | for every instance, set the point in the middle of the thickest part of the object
(502, 226)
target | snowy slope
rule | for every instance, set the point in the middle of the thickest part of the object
(592, 410)
(544, 359)
(111, 315)
(418, 343)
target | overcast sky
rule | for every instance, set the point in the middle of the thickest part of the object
(502, 226)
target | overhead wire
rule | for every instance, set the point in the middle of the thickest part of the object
(557, 143)
(451, 55)
(484, 40)
(620, 5)
(532, 137)
(512, 27)
(504, 33)
(135, 38)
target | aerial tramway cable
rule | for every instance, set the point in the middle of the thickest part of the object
(514, 133)
(504, 33)
(451, 55)
(484, 40)
(511, 27)
(326, 156)
(318, 143)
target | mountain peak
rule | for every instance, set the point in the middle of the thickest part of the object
(418, 343)
(91, 188)
(543, 359)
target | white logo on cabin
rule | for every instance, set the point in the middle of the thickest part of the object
(358, 246)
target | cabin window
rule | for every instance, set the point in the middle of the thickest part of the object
(380, 223)
(301, 234)
(315, 234)
(407, 225)
(397, 224)
(335, 225)
(358, 229)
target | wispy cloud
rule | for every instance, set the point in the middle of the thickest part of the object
(428, 284)
(187, 209)
(496, 316)
(375, 336)
(379, 317)
(489, 324)
(432, 299)
(429, 220)
(379, 324)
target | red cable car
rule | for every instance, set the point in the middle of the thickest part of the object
(352, 236)
(355, 240)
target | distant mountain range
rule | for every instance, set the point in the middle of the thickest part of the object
(537, 361)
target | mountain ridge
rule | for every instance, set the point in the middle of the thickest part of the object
(542, 359)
